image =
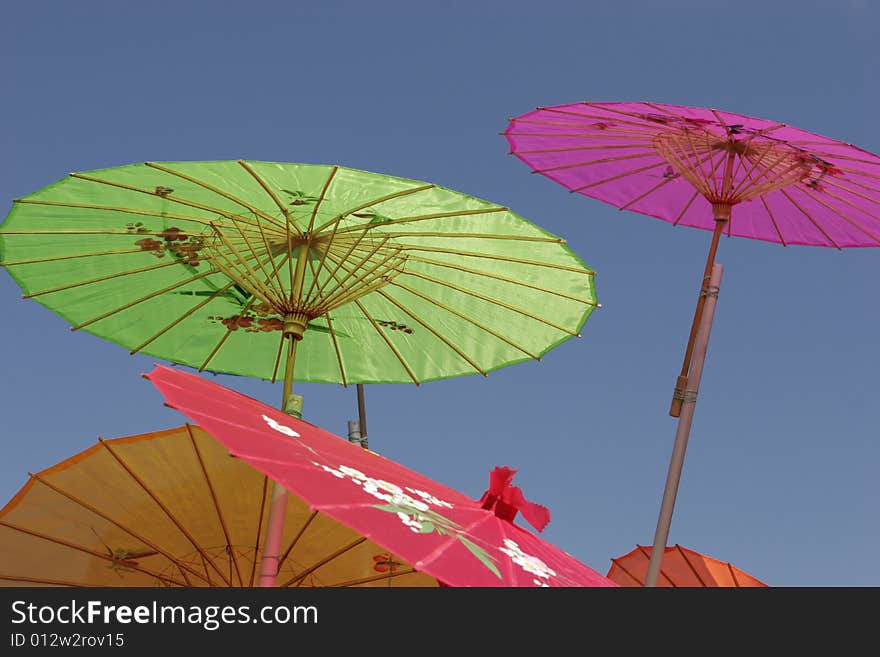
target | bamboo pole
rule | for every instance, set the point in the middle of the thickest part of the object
(682, 381)
(710, 292)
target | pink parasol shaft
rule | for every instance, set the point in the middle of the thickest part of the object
(701, 345)
(682, 381)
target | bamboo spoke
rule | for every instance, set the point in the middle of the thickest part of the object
(188, 313)
(278, 358)
(223, 527)
(846, 201)
(259, 530)
(685, 208)
(112, 208)
(494, 302)
(336, 349)
(104, 516)
(81, 548)
(851, 222)
(220, 192)
(296, 539)
(32, 261)
(341, 294)
(609, 130)
(489, 256)
(837, 184)
(848, 158)
(466, 318)
(423, 217)
(147, 297)
(810, 218)
(375, 578)
(152, 495)
(473, 236)
(353, 271)
(167, 197)
(566, 149)
(289, 219)
(268, 280)
(255, 285)
(388, 197)
(225, 337)
(308, 571)
(603, 160)
(619, 176)
(436, 333)
(321, 198)
(497, 277)
(387, 340)
(47, 582)
(100, 279)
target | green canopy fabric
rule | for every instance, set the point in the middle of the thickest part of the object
(378, 279)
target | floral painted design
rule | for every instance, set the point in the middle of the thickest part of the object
(280, 428)
(528, 563)
(299, 197)
(394, 326)
(259, 318)
(183, 246)
(413, 510)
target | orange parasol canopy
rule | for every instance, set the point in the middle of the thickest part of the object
(681, 568)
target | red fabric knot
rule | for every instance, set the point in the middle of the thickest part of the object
(506, 500)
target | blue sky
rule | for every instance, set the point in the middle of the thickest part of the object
(780, 475)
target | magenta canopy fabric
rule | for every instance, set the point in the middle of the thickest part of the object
(438, 530)
(783, 184)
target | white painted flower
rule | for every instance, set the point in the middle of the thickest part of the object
(538, 582)
(281, 428)
(335, 473)
(354, 474)
(525, 561)
(414, 523)
(430, 499)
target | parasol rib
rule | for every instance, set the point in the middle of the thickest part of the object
(336, 349)
(142, 299)
(382, 199)
(204, 469)
(567, 149)
(289, 219)
(495, 302)
(114, 208)
(436, 333)
(619, 176)
(308, 571)
(167, 197)
(225, 337)
(810, 217)
(103, 516)
(188, 313)
(685, 208)
(100, 279)
(603, 160)
(82, 548)
(422, 217)
(374, 578)
(497, 277)
(32, 261)
(387, 340)
(321, 198)
(467, 319)
(220, 192)
(259, 528)
(140, 482)
(299, 535)
(691, 566)
(491, 256)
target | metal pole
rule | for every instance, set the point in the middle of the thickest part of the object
(362, 415)
(701, 344)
